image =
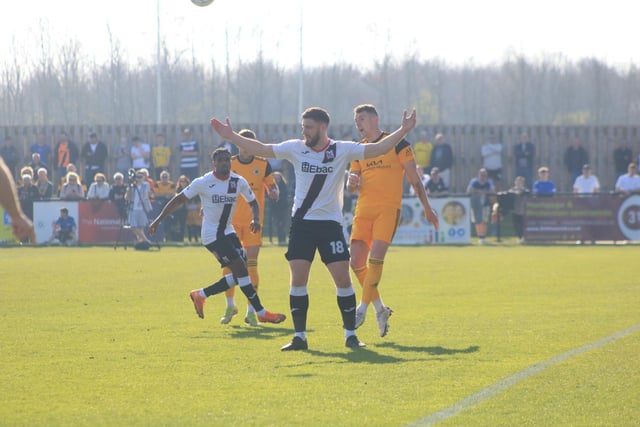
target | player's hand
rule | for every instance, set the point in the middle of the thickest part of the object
(353, 181)
(274, 194)
(225, 130)
(153, 227)
(432, 217)
(408, 121)
(22, 228)
(254, 226)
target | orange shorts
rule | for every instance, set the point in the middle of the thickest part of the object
(247, 238)
(378, 223)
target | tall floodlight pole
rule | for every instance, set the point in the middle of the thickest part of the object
(158, 71)
(301, 70)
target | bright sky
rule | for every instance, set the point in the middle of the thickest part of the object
(348, 31)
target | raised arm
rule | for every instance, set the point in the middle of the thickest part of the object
(390, 141)
(253, 146)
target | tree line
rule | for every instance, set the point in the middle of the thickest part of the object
(62, 87)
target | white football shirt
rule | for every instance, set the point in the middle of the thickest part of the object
(319, 176)
(218, 199)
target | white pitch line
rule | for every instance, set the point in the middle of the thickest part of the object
(502, 385)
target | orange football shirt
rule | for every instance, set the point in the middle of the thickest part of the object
(257, 172)
(381, 177)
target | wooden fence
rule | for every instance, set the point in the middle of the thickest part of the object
(466, 140)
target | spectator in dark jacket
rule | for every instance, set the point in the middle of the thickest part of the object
(442, 158)
(574, 158)
(94, 155)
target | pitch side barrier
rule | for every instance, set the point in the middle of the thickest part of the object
(570, 217)
(454, 213)
(97, 221)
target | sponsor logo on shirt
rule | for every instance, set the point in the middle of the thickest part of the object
(223, 198)
(310, 168)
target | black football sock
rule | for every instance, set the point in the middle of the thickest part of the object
(299, 306)
(347, 305)
(252, 296)
(218, 287)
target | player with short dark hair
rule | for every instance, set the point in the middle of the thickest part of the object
(257, 171)
(319, 163)
(219, 191)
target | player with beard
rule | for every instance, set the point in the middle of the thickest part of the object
(218, 191)
(377, 214)
(319, 163)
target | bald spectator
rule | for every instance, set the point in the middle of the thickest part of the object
(629, 182)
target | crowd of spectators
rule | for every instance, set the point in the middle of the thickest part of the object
(49, 171)
(437, 160)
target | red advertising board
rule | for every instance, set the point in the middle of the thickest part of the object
(572, 218)
(100, 222)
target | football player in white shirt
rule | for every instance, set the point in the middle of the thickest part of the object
(319, 163)
(218, 191)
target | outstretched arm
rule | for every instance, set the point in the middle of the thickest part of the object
(253, 146)
(390, 141)
(168, 209)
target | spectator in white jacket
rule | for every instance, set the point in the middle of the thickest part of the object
(99, 188)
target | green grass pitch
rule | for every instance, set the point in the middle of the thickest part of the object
(93, 336)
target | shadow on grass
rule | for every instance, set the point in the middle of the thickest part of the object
(434, 350)
(360, 355)
(260, 332)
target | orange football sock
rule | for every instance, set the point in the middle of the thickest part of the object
(361, 273)
(370, 287)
